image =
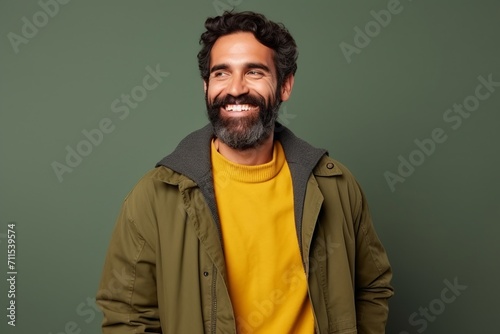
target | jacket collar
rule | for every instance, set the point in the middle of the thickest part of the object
(192, 159)
(192, 156)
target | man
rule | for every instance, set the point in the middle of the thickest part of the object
(245, 228)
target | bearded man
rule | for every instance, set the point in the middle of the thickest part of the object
(245, 228)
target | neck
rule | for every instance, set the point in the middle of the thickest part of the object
(250, 157)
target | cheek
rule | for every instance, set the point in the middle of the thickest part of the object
(212, 93)
(214, 89)
(264, 88)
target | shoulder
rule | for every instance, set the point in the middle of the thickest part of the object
(157, 179)
(329, 167)
(157, 188)
(336, 180)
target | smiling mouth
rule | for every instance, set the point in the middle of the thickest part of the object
(240, 107)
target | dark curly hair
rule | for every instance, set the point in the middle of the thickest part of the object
(271, 34)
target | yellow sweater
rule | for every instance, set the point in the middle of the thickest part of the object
(267, 283)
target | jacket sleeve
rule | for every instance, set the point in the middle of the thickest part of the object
(373, 275)
(127, 292)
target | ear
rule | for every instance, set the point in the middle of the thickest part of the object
(205, 86)
(286, 87)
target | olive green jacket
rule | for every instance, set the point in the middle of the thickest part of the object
(165, 270)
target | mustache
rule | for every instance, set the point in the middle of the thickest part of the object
(242, 99)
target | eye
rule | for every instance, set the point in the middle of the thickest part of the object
(219, 74)
(255, 73)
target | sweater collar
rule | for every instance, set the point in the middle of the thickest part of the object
(192, 156)
(229, 170)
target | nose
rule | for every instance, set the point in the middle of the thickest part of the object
(237, 86)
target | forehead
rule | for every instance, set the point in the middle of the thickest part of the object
(240, 48)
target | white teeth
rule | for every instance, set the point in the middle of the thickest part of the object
(238, 107)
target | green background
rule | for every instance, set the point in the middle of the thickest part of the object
(441, 223)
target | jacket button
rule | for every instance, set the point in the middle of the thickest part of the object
(205, 273)
(330, 165)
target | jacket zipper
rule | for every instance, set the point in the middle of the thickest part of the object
(214, 301)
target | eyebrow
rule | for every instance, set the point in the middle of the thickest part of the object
(247, 65)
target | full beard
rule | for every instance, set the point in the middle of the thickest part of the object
(241, 133)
